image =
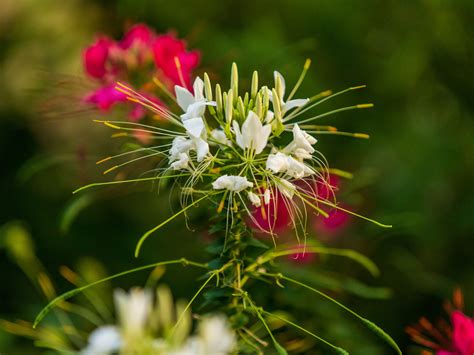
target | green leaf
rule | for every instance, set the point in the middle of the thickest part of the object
(372, 326)
(256, 243)
(280, 349)
(75, 207)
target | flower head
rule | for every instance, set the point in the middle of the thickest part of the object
(95, 57)
(174, 60)
(454, 339)
(225, 148)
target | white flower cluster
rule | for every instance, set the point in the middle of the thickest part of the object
(134, 333)
(246, 130)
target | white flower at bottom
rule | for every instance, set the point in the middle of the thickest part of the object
(254, 199)
(133, 310)
(231, 183)
(104, 340)
(216, 336)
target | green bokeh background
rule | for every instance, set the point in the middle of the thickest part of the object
(416, 172)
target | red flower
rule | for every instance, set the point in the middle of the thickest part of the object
(171, 57)
(273, 217)
(105, 97)
(139, 34)
(445, 339)
(334, 223)
(95, 57)
(463, 335)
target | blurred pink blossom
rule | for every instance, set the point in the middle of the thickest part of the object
(462, 335)
(95, 57)
(139, 55)
(174, 60)
(105, 97)
(271, 217)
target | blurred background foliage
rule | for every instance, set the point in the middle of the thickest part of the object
(416, 172)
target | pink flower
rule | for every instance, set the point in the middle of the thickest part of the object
(172, 58)
(335, 222)
(105, 97)
(463, 335)
(272, 217)
(139, 34)
(457, 339)
(95, 57)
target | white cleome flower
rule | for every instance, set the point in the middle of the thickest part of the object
(301, 145)
(216, 336)
(286, 188)
(253, 135)
(219, 136)
(253, 197)
(105, 340)
(192, 105)
(277, 163)
(181, 163)
(133, 309)
(231, 183)
(196, 130)
(283, 163)
(288, 105)
(297, 169)
(180, 145)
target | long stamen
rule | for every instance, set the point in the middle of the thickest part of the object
(180, 71)
(300, 79)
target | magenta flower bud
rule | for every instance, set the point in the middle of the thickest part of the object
(95, 57)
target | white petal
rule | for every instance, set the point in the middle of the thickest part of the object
(216, 336)
(269, 117)
(133, 309)
(266, 196)
(255, 136)
(103, 340)
(238, 135)
(286, 188)
(297, 169)
(183, 97)
(180, 145)
(231, 183)
(254, 199)
(263, 138)
(277, 162)
(294, 103)
(219, 135)
(181, 163)
(195, 127)
(202, 148)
